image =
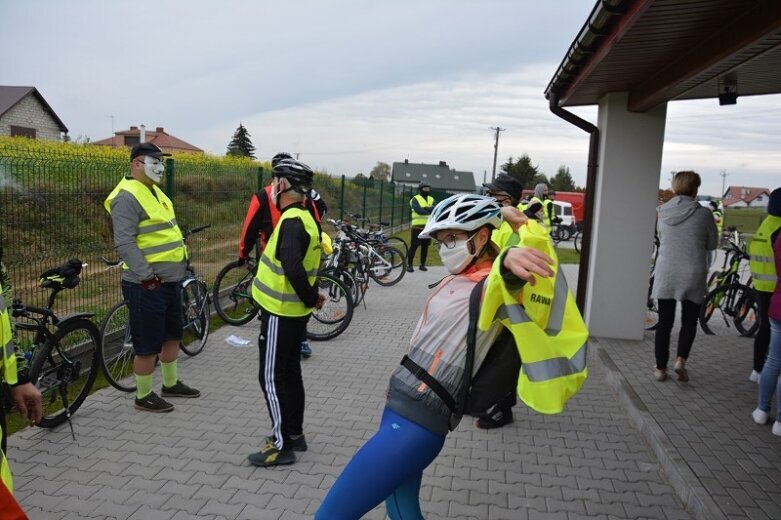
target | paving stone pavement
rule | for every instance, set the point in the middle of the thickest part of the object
(589, 462)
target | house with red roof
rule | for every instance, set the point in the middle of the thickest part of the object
(746, 197)
(139, 134)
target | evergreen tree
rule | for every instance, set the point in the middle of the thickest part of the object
(523, 170)
(241, 145)
(563, 180)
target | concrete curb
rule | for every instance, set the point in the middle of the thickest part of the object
(695, 497)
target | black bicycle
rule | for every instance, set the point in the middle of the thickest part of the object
(232, 292)
(117, 342)
(63, 352)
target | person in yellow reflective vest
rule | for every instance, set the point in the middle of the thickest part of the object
(285, 288)
(23, 394)
(431, 388)
(718, 217)
(545, 215)
(150, 243)
(421, 206)
(763, 273)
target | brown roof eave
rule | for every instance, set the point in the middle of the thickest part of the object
(607, 24)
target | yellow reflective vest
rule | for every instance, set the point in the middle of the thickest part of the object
(548, 329)
(419, 220)
(159, 237)
(8, 373)
(761, 256)
(271, 288)
(718, 217)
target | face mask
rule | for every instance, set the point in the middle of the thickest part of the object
(456, 259)
(276, 191)
(154, 168)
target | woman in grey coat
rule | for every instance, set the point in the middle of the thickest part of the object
(686, 233)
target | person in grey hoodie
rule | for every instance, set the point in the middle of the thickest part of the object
(686, 233)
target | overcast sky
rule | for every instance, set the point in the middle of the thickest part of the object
(349, 83)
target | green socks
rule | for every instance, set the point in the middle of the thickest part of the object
(170, 373)
(143, 386)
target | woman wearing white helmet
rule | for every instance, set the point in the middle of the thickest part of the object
(419, 409)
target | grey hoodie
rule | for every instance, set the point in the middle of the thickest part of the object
(686, 233)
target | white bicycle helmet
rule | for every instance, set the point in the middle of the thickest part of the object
(465, 212)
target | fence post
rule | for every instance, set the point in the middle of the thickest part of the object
(393, 201)
(365, 181)
(382, 185)
(260, 178)
(341, 201)
(169, 178)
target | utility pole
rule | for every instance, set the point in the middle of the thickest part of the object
(723, 178)
(496, 149)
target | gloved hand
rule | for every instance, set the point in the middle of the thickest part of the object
(152, 284)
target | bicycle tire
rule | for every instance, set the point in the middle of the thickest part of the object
(565, 233)
(232, 294)
(116, 348)
(400, 244)
(333, 318)
(387, 276)
(346, 278)
(195, 314)
(578, 241)
(747, 318)
(721, 302)
(61, 362)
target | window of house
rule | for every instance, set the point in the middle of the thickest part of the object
(408, 174)
(425, 175)
(455, 177)
(437, 175)
(22, 131)
(131, 140)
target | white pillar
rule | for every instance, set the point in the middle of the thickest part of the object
(630, 159)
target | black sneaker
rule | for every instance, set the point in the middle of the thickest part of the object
(269, 455)
(297, 443)
(179, 390)
(154, 403)
(496, 420)
(306, 350)
(410, 269)
(423, 268)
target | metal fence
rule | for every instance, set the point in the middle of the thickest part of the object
(51, 209)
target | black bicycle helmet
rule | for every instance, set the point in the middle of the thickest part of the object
(297, 173)
(424, 184)
(281, 156)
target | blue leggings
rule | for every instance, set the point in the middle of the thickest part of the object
(388, 467)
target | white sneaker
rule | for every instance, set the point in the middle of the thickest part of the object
(777, 428)
(754, 377)
(760, 417)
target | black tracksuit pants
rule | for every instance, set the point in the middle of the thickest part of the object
(280, 374)
(413, 246)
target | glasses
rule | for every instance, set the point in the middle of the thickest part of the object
(450, 240)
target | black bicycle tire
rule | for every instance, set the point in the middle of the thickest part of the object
(42, 357)
(748, 293)
(577, 240)
(217, 300)
(401, 268)
(706, 312)
(403, 247)
(202, 297)
(564, 234)
(346, 278)
(343, 323)
(107, 372)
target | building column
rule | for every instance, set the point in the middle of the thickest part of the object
(630, 159)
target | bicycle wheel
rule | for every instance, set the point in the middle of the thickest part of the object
(335, 315)
(721, 309)
(232, 295)
(565, 233)
(400, 244)
(577, 240)
(195, 313)
(65, 369)
(387, 266)
(346, 278)
(116, 348)
(747, 317)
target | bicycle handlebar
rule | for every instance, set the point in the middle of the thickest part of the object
(196, 230)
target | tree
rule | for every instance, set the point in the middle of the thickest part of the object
(241, 145)
(563, 180)
(359, 179)
(381, 172)
(524, 171)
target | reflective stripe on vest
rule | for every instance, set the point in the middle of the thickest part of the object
(548, 329)
(7, 375)
(271, 288)
(159, 238)
(761, 256)
(417, 218)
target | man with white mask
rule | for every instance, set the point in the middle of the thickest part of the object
(150, 243)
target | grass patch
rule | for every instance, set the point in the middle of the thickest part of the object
(746, 219)
(568, 256)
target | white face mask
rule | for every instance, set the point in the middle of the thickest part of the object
(276, 190)
(154, 168)
(456, 259)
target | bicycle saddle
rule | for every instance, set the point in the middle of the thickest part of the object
(65, 276)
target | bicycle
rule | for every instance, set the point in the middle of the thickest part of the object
(734, 300)
(651, 307)
(232, 292)
(377, 232)
(117, 342)
(560, 232)
(64, 360)
(336, 313)
(577, 240)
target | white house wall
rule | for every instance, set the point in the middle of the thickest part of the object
(29, 113)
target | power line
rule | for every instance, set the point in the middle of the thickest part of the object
(723, 178)
(496, 149)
